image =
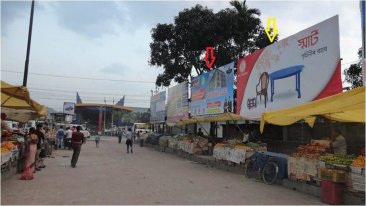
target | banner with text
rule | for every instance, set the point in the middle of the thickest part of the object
(157, 107)
(212, 92)
(177, 106)
(298, 69)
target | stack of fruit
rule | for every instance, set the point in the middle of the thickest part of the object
(359, 162)
(311, 151)
(338, 159)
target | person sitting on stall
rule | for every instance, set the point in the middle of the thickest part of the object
(339, 144)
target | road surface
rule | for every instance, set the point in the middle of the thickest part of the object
(108, 175)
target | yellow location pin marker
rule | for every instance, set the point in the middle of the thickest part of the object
(271, 24)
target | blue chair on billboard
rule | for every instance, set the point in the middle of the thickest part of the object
(263, 83)
(284, 73)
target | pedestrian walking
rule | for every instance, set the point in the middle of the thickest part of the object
(97, 139)
(129, 140)
(60, 138)
(120, 137)
(77, 140)
(30, 156)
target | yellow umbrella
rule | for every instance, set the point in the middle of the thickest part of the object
(18, 98)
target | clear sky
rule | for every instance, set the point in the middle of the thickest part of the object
(110, 40)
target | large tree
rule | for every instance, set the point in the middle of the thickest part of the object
(179, 47)
(353, 74)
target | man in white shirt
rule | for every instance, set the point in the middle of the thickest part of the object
(68, 133)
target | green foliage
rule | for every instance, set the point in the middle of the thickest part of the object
(353, 74)
(179, 47)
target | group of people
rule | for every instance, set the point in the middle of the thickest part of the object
(63, 137)
(35, 151)
(37, 148)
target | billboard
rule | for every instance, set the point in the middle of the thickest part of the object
(212, 92)
(177, 106)
(69, 108)
(299, 69)
(157, 107)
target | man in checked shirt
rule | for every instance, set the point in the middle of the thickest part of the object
(77, 140)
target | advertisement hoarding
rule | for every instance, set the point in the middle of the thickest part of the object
(299, 69)
(157, 107)
(212, 92)
(69, 108)
(177, 106)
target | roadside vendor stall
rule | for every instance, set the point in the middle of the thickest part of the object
(315, 161)
(18, 106)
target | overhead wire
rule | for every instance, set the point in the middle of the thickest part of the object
(80, 77)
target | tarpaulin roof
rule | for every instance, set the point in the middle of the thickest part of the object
(344, 107)
(17, 99)
(20, 115)
(217, 118)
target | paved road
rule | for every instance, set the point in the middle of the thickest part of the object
(107, 175)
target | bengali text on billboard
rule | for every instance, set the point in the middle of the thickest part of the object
(298, 69)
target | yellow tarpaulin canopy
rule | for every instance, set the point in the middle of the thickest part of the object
(217, 118)
(16, 102)
(344, 107)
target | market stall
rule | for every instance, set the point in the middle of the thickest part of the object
(315, 162)
(235, 151)
(18, 106)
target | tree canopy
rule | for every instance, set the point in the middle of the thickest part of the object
(179, 47)
(353, 74)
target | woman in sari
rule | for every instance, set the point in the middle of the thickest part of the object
(31, 149)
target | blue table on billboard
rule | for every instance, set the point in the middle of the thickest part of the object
(284, 73)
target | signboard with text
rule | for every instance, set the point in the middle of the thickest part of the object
(177, 106)
(157, 107)
(212, 92)
(298, 69)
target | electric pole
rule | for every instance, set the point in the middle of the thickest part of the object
(25, 78)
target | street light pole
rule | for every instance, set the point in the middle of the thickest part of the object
(25, 78)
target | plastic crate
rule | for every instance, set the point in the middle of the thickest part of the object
(332, 175)
(331, 192)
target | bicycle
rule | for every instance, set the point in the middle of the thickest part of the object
(263, 165)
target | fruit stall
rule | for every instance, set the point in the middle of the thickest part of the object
(193, 144)
(236, 151)
(12, 153)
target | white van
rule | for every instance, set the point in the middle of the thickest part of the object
(143, 127)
